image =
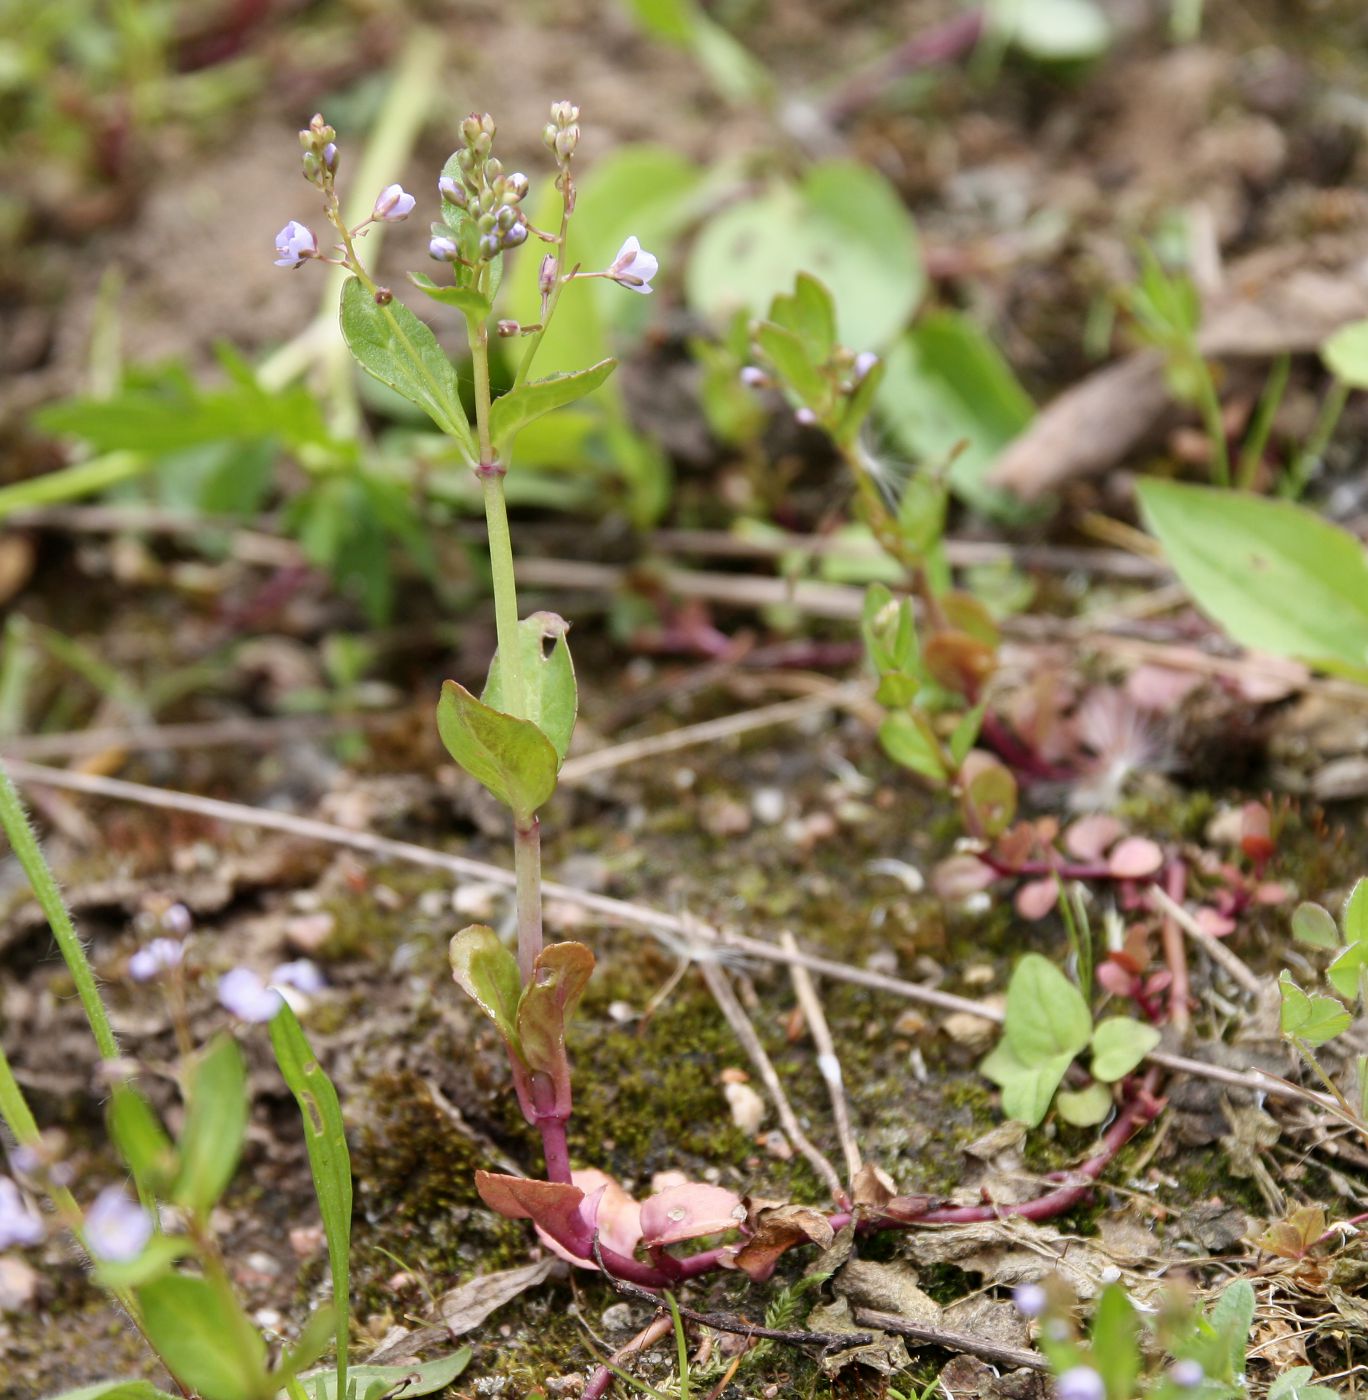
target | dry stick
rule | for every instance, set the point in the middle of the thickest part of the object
(721, 988)
(1218, 951)
(947, 1339)
(827, 1059)
(855, 694)
(1175, 952)
(677, 932)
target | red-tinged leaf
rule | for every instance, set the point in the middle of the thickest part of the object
(521, 1198)
(775, 1230)
(1116, 979)
(559, 976)
(606, 1208)
(1272, 892)
(1091, 837)
(1160, 688)
(1213, 923)
(1036, 898)
(689, 1211)
(1256, 832)
(1135, 858)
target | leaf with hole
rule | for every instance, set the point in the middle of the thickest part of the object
(552, 700)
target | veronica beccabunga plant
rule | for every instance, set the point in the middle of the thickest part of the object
(514, 736)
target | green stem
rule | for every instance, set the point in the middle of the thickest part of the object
(1307, 1054)
(527, 866)
(40, 877)
(561, 243)
(1209, 403)
(1300, 472)
(1257, 439)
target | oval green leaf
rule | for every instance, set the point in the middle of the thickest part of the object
(510, 757)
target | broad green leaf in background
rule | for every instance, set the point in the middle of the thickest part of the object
(552, 698)
(1346, 355)
(205, 1338)
(1314, 925)
(215, 1121)
(1114, 1338)
(510, 757)
(1314, 1019)
(907, 738)
(843, 223)
(325, 1137)
(114, 1390)
(1228, 1323)
(155, 1259)
(735, 74)
(1345, 974)
(422, 1378)
(945, 384)
(1046, 1014)
(511, 412)
(1273, 574)
(1053, 31)
(1119, 1044)
(398, 349)
(1027, 1089)
(488, 974)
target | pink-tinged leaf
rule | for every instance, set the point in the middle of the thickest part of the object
(1271, 892)
(607, 1208)
(1089, 838)
(1270, 678)
(554, 1205)
(559, 977)
(1160, 688)
(1256, 832)
(957, 877)
(1158, 982)
(1213, 923)
(1135, 858)
(1116, 979)
(1036, 898)
(689, 1211)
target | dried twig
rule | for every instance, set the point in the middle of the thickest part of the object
(827, 1060)
(949, 1340)
(720, 986)
(1217, 950)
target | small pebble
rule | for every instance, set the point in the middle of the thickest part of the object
(616, 1317)
(769, 805)
(307, 933)
(747, 1107)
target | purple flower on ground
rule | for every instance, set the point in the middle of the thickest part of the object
(116, 1227)
(159, 956)
(1030, 1299)
(1080, 1383)
(864, 362)
(294, 245)
(806, 417)
(1188, 1374)
(177, 919)
(19, 1222)
(392, 204)
(244, 994)
(753, 377)
(300, 974)
(634, 267)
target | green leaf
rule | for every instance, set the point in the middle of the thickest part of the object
(1292, 1385)
(946, 384)
(1027, 1089)
(510, 757)
(1231, 1318)
(988, 794)
(1053, 31)
(1355, 916)
(1119, 1044)
(395, 347)
(1046, 1014)
(488, 974)
(325, 1138)
(317, 1332)
(1273, 574)
(1115, 1344)
(423, 1378)
(1314, 925)
(512, 411)
(469, 303)
(1313, 1019)
(1345, 974)
(140, 1138)
(1084, 1108)
(548, 1002)
(1346, 355)
(843, 223)
(114, 1390)
(155, 1259)
(215, 1121)
(552, 700)
(205, 1338)
(789, 359)
(808, 313)
(907, 738)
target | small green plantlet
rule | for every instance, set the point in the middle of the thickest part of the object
(1345, 355)
(1048, 1025)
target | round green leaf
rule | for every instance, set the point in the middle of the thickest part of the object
(1084, 1108)
(1346, 355)
(1314, 925)
(1119, 1044)
(1047, 1016)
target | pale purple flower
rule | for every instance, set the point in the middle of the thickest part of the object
(806, 417)
(330, 156)
(1080, 1383)
(117, 1228)
(294, 245)
(1188, 1374)
(753, 377)
(300, 974)
(634, 267)
(443, 249)
(1030, 1299)
(864, 362)
(19, 1222)
(392, 204)
(161, 955)
(244, 994)
(177, 919)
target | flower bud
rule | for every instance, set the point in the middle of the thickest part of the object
(516, 186)
(508, 328)
(864, 362)
(493, 170)
(805, 417)
(453, 191)
(753, 377)
(564, 113)
(484, 143)
(516, 236)
(490, 245)
(566, 141)
(330, 157)
(443, 249)
(383, 296)
(546, 277)
(470, 129)
(549, 133)
(505, 217)
(392, 204)
(312, 167)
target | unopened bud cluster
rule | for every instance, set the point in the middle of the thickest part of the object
(319, 141)
(484, 192)
(561, 134)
